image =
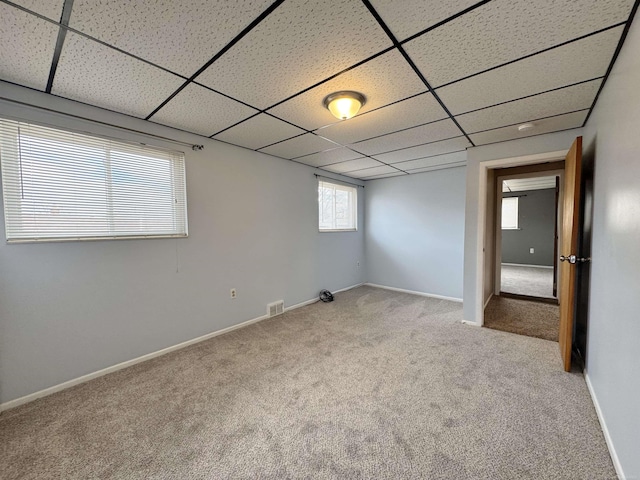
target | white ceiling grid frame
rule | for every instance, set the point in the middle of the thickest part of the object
(438, 160)
(405, 18)
(547, 125)
(555, 68)
(180, 36)
(556, 102)
(399, 116)
(432, 132)
(199, 110)
(28, 43)
(258, 132)
(50, 8)
(505, 30)
(384, 80)
(299, 44)
(423, 151)
(93, 73)
(328, 157)
(299, 146)
(352, 165)
(438, 167)
(388, 175)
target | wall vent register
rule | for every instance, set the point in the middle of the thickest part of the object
(60, 185)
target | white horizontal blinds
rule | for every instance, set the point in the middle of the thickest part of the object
(337, 206)
(510, 213)
(64, 185)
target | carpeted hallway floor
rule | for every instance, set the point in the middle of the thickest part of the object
(377, 384)
(523, 317)
(523, 280)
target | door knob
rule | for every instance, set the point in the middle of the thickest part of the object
(572, 259)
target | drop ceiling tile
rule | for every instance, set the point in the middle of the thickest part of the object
(431, 132)
(409, 17)
(548, 125)
(437, 167)
(438, 160)
(27, 48)
(199, 110)
(383, 80)
(299, 146)
(504, 30)
(92, 73)
(387, 175)
(181, 36)
(328, 157)
(408, 113)
(557, 102)
(572, 63)
(428, 150)
(352, 165)
(299, 44)
(51, 8)
(258, 132)
(373, 172)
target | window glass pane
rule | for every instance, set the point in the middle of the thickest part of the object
(337, 207)
(510, 213)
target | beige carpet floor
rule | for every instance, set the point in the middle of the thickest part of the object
(531, 281)
(524, 317)
(377, 384)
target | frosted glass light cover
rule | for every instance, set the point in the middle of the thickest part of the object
(344, 105)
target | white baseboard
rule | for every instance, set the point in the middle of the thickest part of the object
(412, 292)
(527, 265)
(487, 302)
(473, 324)
(114, 368)
(605, 430)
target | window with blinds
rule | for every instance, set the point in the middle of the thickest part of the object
(338, 206)
(60, 185)
(510, 213)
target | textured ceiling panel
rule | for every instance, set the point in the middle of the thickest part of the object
(258, 132)
(408, 17)
(562, 122)
(383, 80)
(504, 30)
(388, 175)
(26, 47)
(438, 167)
(199, 110)
(532, 183)
(50, 8)
(299, 44)
(553, 69)
(408, 113)
(446, 159)
(374, 172)
(299, 146)
(432, 132)
(328, 157)
(181, 36)
(565, 100)
(92, 73)
(428, 150)
(352, 165)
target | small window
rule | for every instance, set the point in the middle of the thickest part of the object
(510, 213)
(60, 185)
(338, 207)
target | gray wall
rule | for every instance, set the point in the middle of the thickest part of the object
(613, 344)
(69, 309)
(536, 229)
(415, 232)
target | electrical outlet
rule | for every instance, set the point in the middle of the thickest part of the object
(233, 293)
(531, 250)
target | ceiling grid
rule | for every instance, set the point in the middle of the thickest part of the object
(438, 77)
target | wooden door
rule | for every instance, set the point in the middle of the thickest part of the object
(569, 249)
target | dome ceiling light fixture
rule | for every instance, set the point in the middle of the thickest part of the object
(344, 104)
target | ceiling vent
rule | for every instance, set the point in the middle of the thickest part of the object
(275, 308)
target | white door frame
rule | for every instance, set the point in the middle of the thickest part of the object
(483, 167)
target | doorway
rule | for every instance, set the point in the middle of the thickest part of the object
(526, 212)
